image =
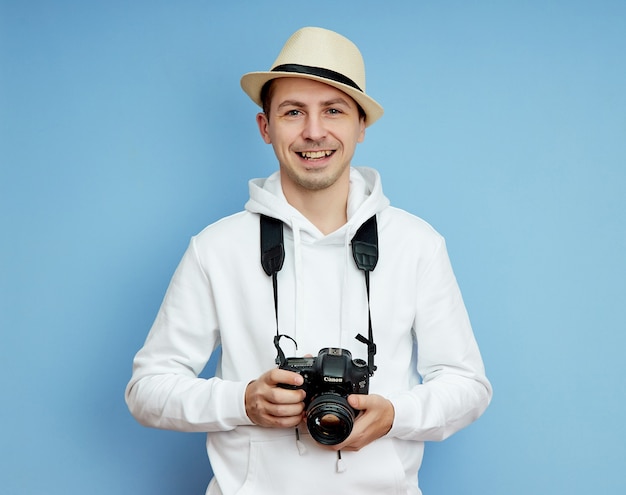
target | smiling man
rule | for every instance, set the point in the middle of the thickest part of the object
(314, 129)
(317, 256)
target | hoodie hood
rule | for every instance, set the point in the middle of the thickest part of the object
(365, 199)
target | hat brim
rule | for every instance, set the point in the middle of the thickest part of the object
(253, 82)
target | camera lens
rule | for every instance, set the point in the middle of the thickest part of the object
(329, 418)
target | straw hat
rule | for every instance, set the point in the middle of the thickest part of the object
(321, 55)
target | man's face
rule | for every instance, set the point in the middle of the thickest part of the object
(314, 129)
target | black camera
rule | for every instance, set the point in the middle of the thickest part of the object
(328, 380)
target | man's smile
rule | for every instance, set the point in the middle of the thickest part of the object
(315, 155)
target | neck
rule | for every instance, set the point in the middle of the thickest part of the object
(326, 208)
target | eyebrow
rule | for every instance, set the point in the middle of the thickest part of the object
(327, 103)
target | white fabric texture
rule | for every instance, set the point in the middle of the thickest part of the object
(428, 361)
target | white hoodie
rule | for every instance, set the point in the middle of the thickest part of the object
(428, 363)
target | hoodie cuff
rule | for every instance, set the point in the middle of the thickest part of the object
(233, 404)
(406, 410)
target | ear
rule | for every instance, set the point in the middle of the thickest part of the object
(362, 130)
(263, 123)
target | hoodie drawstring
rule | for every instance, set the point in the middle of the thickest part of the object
(300, 443)
(297, 254)
(341, 467)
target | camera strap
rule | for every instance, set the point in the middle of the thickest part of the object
(364, 252)
(272, 258)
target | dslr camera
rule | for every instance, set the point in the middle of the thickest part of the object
(328, 380)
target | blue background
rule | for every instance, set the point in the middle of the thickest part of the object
(123, 131)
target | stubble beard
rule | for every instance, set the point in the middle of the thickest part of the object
(315, 180)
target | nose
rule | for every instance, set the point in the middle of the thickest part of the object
(314, 128)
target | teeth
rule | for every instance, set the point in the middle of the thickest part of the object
(315, 154)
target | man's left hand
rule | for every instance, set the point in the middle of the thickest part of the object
(374, 421)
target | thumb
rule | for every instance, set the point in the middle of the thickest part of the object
(357, 401)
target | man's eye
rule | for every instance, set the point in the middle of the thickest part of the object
(334, 111)
(293, 113)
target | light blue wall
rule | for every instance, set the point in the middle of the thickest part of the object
(123, 132)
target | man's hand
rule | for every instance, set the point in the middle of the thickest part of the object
(374, 421)
(272, 406)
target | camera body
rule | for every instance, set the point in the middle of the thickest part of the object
(328, 380)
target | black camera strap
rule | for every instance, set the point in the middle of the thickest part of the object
(364, 251)
(272, 258)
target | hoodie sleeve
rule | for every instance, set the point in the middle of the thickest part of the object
(454, 390)
(165, 390)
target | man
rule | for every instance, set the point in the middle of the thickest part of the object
(428, 379)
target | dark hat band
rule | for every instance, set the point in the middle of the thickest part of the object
(319, 72)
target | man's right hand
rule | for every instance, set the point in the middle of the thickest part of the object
(269, 405)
